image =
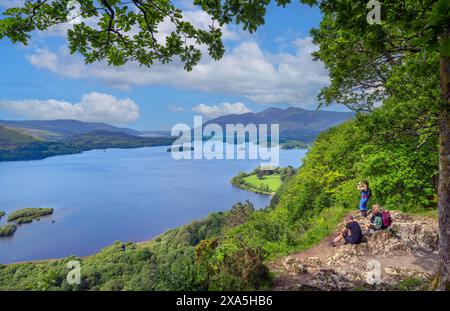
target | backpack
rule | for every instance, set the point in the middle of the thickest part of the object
(386, 219)
(378, 222)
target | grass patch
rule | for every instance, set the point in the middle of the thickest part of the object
(273, 182)
(297, 239)
(433, 213)
(411, 284)
(322, 226)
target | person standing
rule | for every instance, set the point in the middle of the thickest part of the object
(366, 193)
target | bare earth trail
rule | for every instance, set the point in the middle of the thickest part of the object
(407, 250)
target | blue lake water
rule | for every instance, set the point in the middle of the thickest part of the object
(117, 194)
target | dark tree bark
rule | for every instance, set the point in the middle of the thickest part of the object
(444, 178)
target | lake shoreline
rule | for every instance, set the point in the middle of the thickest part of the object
(140, 194)
(254, 190)
(81, 151)
(138, 243)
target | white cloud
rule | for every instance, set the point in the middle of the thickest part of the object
(214, 111)
(246, 70)
(93, 107)
(175, 108)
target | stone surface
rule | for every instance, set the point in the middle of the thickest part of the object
(408, 249)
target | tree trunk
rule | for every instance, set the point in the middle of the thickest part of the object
(444, 179)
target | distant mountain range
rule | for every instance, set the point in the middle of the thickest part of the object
(57, 129)
(26, 140)
(295, 123)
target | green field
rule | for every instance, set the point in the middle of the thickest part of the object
(272, 181)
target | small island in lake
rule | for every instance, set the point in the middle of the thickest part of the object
(7, 230)
(265, 181)
(294, 144)
(22, 216)
(27, 215)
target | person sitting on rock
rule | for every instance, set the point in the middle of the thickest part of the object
(376, 221)
(352, 233)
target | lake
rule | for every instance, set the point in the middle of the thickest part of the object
(101, 196)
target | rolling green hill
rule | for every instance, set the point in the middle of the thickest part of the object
(30, 143)
(11, 138)
(65, 128)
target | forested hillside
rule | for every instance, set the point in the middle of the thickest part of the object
(33, 149)
(230, 250)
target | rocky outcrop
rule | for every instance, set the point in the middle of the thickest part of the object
(407, 250)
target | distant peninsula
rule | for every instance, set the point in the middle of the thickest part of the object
(264, 181)
(34, 140)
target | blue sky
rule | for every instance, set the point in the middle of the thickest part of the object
(271, 68)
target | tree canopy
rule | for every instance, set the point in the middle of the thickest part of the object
(123, 31)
